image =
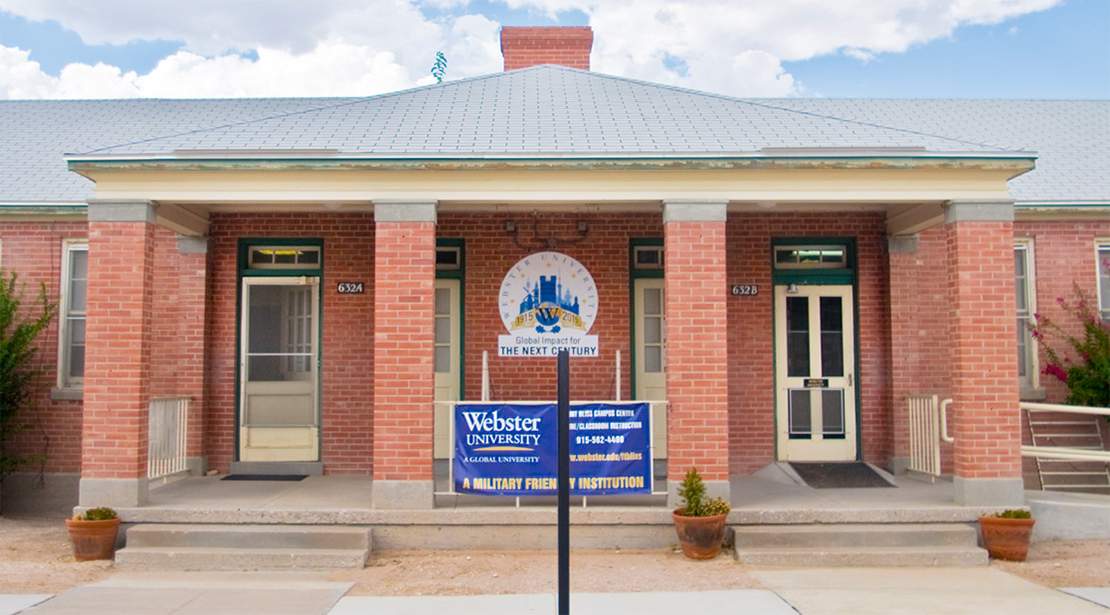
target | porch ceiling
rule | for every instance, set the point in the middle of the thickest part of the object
(911, 194)
(193, 219)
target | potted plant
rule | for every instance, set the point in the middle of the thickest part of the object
(1006, 534)
(700, 522)
(94, 534)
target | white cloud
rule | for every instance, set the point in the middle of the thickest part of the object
(334, 68)
(716, 39)
(346, 47)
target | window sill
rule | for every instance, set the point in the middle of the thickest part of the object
(67, 394)
(1037, 394)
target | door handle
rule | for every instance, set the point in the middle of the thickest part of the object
(849, 380)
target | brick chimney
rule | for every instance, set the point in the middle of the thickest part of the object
(566, 46)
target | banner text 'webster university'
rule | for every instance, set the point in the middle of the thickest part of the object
(511, 449)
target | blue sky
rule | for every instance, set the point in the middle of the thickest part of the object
(1051, 49)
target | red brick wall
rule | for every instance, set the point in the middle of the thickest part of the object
(404, 279)
(1064, 254)
(985, 421)
(697, 357)
(34, 251)
(919, 315)
(751, 337)
(347, 377)
(118, 350)
(490, 252)
(528, 46)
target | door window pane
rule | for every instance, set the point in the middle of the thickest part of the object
(653, 301)
(801, 425)
(797, 336)
(832, 412)
(832, 337)
(280, 336)
(443, 301)
(443, 359)
(653, 330)
(443, 330)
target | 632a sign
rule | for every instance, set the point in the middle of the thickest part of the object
(346, 288)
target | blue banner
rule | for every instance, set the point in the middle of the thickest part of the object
(512, 449)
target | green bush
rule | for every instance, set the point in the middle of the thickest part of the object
(692, 492)
(1087, 373)
(18, 376)
(97, 514)
(1014, 514)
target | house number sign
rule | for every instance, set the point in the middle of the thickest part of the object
(745, 290)
(349, 288)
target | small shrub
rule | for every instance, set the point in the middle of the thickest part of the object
(96, 514)
(692, 492)
(19, 377)
(1014, 514)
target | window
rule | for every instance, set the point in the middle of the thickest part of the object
(1025, 295)
(284, 257)
(647, 257)
(1102, 253)
(810, 257)
(448, 258)
(74, 293)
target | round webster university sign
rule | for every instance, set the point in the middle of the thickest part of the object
(548, 301)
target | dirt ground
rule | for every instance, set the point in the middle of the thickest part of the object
(36, 557)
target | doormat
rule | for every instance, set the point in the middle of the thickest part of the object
(285, 477)
(839, 475)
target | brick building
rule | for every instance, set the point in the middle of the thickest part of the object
(742, 249)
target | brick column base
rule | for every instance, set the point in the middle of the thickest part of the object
(114, 492)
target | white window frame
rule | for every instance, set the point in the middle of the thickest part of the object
(1032, 380)
(1102, 244)
(69, 246)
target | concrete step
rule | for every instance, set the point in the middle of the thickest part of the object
(800, 557)
(856, 535)
(836, 545)
(219, 558)
(244, 547)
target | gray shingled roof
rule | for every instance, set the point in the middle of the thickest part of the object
(552, 111)
(1071, 137)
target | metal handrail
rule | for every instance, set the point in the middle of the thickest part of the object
(1064, 452)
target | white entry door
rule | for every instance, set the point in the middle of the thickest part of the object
(447, 359)
(279, 417)
(650, 351)
(815, 373)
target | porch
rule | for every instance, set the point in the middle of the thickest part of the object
(769, 497)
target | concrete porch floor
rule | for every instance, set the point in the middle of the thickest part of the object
(474, 524)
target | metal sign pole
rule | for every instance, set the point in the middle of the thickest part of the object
(564, 482)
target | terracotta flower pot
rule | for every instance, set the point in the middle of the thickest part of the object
(93, 539)
(700, 537)
(1006, 539)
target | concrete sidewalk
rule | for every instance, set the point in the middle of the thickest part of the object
(829, 591)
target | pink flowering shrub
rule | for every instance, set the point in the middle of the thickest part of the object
(1086, 372)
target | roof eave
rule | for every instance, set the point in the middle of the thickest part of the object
(1016, 162)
